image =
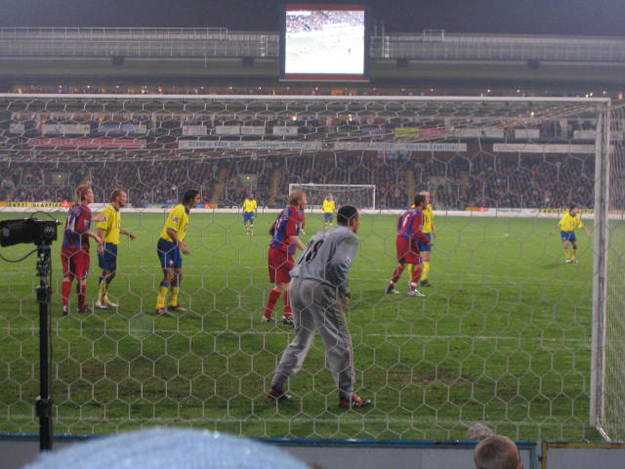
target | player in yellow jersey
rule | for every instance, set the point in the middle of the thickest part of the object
(109, 229)
(430, 231)
(569, 222)
(169, 248)
(250, 207)
(329, 209)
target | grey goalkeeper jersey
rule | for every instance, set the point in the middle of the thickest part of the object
(328, 257)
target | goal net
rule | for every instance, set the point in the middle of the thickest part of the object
(514, 332)
(361, 196)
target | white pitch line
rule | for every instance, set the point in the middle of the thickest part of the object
(256, 332)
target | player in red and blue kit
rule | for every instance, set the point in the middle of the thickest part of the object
(409, 234)
(75, 250)
(285, 233)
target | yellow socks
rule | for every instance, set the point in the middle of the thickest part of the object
(162, 295)
(426, 270)
(102, 290)
(173, 299)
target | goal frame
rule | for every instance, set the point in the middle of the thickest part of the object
(359, 186)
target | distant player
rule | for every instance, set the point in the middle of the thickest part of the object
(409, 234)
(329, 209)
(250, 207)
(109, 229)
(170, 247)
(320, 293)
(285, 233)
(569, 222)
(75, 250)
(430, 231)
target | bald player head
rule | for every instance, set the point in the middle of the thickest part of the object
(497, 452)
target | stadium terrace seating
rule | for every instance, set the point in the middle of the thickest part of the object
(460, 180)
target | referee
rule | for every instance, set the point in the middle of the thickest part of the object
(319, 293)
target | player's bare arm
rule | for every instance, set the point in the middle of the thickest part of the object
(130, 234)
(97, 238)
(298, 242)
(173, 234)
(184, 248)
(102, 234)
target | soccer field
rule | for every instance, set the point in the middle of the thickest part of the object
(502, 337)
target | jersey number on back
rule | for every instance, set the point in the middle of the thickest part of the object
(311, 251)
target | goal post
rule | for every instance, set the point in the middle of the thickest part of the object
(608, 349)
(362, 196)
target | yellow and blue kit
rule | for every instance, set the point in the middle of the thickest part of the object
(111, 224)
(328, 208)
(167, 249)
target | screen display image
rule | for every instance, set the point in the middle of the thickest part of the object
(324, 40)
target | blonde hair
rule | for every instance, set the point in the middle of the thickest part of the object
(295, 197)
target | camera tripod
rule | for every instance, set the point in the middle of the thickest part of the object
(44, 401)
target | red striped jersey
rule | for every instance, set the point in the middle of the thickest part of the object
(76, 227)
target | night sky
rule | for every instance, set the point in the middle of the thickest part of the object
(570, 17)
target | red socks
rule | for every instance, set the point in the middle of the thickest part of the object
(82, 294)
(271, 302)
(398, 271)
(66, 289)
(416, 275)
(287, 306)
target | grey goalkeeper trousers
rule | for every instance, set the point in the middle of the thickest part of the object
(316, 305)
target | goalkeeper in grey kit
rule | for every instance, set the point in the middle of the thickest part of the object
(319, 294)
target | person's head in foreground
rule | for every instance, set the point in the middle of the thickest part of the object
(419, 201)
(298, 199)
(348, 217)
(497, 452)
(160, 448)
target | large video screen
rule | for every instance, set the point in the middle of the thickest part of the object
(324, 42)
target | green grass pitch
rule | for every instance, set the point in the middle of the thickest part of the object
(502, 337)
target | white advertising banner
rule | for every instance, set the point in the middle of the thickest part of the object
(228, 130)
(584, 134)
(194, 130)
(543, 148)
(381, 146)
(484, 132)
(65, 129)
(252, 130)
(17, 128)
(526, 133)
(285, 131)
(113, 129)
(254, 145)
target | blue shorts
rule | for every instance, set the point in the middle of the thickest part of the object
(248, 216)
(108, 260)
(425, 247)
(568, 236)
(169, 254)
(328, 216)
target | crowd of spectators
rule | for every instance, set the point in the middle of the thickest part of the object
(194, 88)
(304, 21)
(476, 178)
